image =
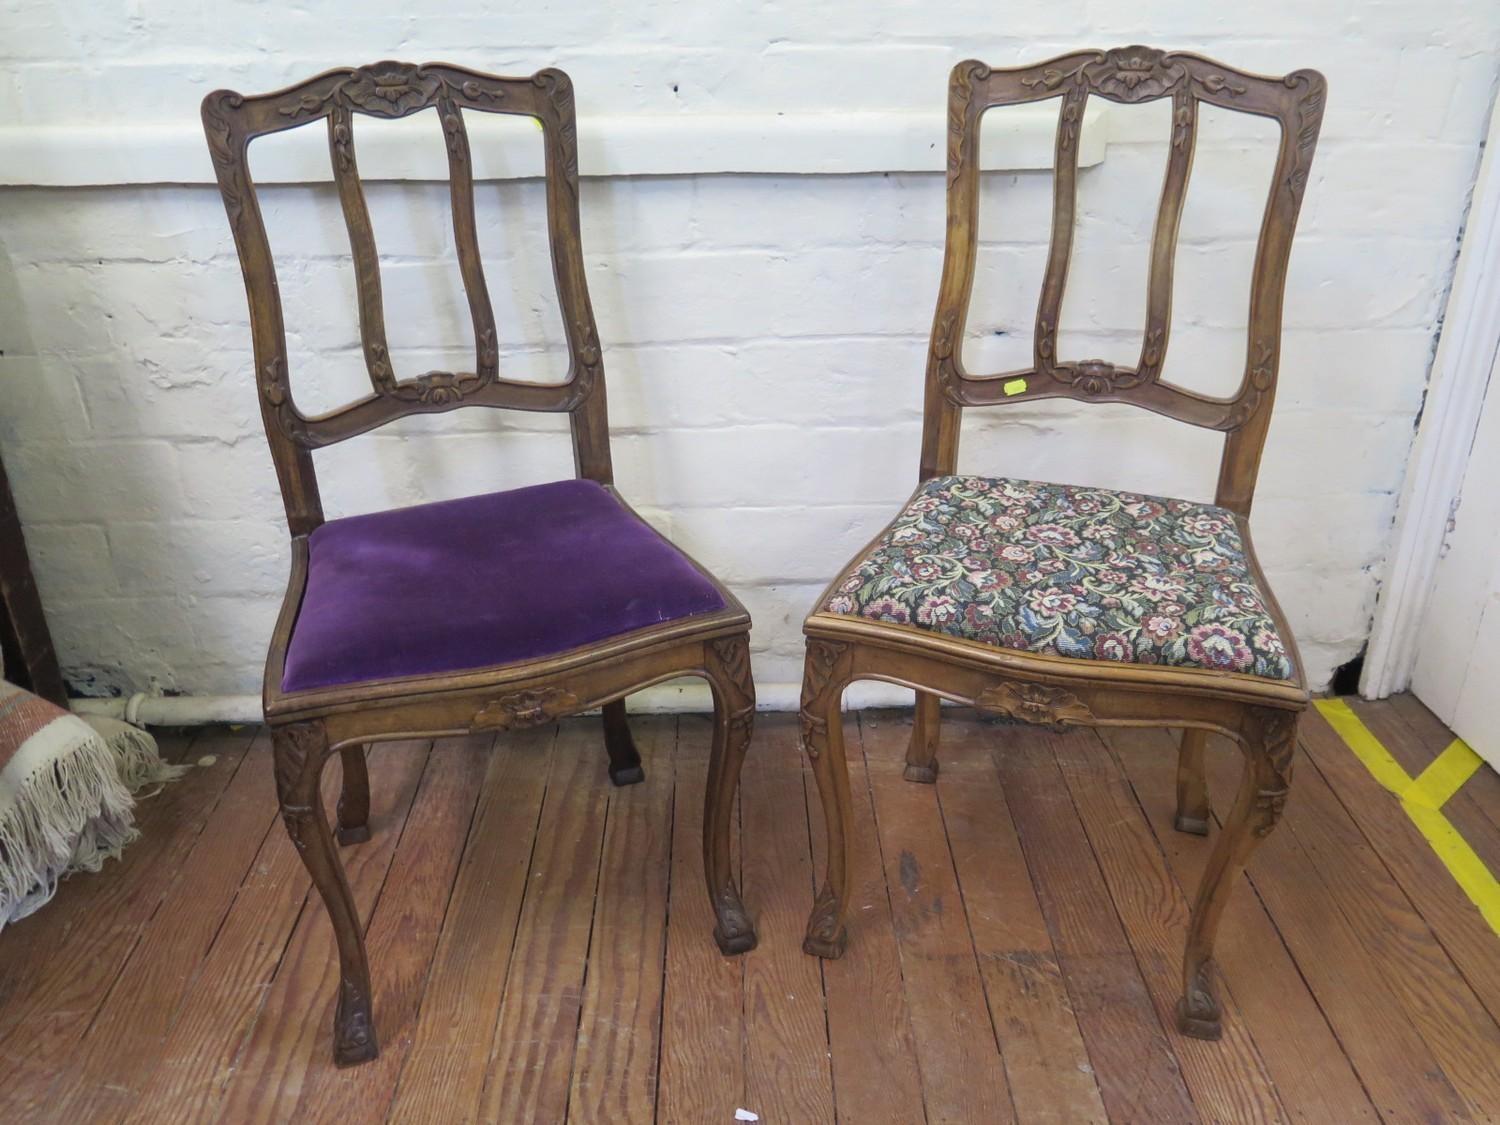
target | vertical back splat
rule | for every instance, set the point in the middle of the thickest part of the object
(393, 90)
(1127, 75)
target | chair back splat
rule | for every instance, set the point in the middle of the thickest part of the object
(392, 90)
(1128, 75)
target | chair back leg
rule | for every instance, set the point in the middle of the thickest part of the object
(624, 758)
(354, 797)
(921, 755)
(1192, 786)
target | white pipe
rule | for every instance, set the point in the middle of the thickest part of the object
(687, 697)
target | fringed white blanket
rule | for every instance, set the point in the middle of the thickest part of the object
(67, 790)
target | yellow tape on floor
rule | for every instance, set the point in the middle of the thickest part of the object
(1423, 798)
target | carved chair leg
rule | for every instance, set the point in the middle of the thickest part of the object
(1192, 786)
(624, 758)
(921, 755)
(301, 749)
(823, 740)
(1269, 739)
(728, 663)
(354, 797)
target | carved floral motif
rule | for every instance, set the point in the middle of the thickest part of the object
(299, 750)
(527, 708)
(731, 655)
(1279, 730)
(274, 389)
(959, 134)
(1099, 376)
(1262, 376)
(390, 89)
(559, 90)
(823, 925)
(1309, 120)
(1134, 74)
(1033, 703)
(944, 348)
(822, 658)
(227, 166)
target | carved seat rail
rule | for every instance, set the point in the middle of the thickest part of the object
(393, 90)
(1128, 75)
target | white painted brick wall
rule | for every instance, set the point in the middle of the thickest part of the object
(765, 334)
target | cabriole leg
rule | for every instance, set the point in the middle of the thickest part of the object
(1269, 739)
(624, 758)
(823, 741)
(300, 751)
(728, 664)
(1192, 786)
(354, 797)
(921, 755)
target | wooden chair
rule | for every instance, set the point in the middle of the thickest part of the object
(489, 613)
(1068, 606)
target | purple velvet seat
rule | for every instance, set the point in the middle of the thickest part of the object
(483, 581)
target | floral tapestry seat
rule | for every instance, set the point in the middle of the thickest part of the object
(1068, 571)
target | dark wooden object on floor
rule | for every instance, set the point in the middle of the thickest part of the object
(1259, 714)
(308, 726)
(25, 641)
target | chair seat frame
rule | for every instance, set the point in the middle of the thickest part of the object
(309, 727)
(1259, 715)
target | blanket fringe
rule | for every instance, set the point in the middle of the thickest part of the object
(75, 813)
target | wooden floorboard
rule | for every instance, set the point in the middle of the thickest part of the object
(787, 1074)
(1226, 1079)
(703, 1008)
(450, 1049)
(872, 1047)
(531, 1060)
(541, 942)
(125, 1038)
(1046, 1062)
(1132, 1056)
(619, 1029)
(73, 975)
(403, 931)
(1363, 1004)
(291, 1038)
(963, 1076)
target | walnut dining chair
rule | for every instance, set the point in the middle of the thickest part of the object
(488, 613)
(1083, 606)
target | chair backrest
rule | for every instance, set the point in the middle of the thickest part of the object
(391, 90)
(1128, 75)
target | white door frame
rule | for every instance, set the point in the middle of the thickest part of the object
(1467, 347)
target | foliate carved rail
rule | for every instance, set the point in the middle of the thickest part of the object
(527, 708)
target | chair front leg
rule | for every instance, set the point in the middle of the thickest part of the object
(354, 797)
(921, 755)
(300, 750)
(624, 758)
(1192, 785)
(1269, 739)
(727, 662)
(823, 683)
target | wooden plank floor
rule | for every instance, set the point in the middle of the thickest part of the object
(540, 942)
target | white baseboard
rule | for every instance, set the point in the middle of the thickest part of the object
(686, 696)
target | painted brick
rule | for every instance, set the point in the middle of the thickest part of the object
(765, 336)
